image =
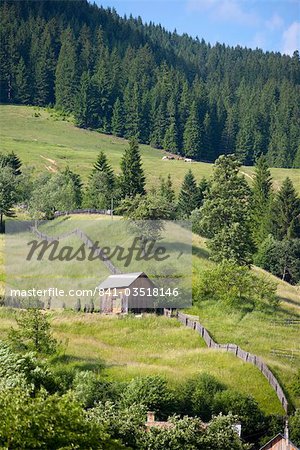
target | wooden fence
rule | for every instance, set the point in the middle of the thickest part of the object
(106, 212)
(193, 322)
(85, 239)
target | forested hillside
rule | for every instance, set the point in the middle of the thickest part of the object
(121, 76)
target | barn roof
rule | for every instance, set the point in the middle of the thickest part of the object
(279, 435)
(121, 280)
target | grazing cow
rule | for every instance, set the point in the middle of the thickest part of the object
(189, 160)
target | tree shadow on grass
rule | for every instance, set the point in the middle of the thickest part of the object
(79, 363)
(200, 252)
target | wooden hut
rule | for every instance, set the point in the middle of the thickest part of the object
(126, 292)
(279, 442)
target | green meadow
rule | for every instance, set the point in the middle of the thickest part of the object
(46, 143)
(123, 348)
(127, 347)
(131, 346)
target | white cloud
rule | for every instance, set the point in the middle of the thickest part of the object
(291, 38)
(259, 40)
(224, 10)
(275, 22)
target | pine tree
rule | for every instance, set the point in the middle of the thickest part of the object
(77, 185)
(207, 138)
(66, 80)
(297, 159)
(12, 161)
(45, 69)
(8, 194)
(103, 82)
(117, 123)
(159, 126)
(22, 83)
(188, 198)
(286, 212)
(85, 108)
(261, 198)
(166, 189)
(171, 136)
(132, 180)
(202, 191)
(225, 214)
(102, 166)
(132, 112)
(193, 134)
(245, 139)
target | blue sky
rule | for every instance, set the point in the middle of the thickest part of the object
(267, 24)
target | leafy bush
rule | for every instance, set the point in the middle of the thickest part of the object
(197, 395)
(221, 435)
(34, 332)
(151, 392)
(295, 427)
(244, 407)
(90, 389)
(122, 422)
(47, 422)
(236, 286)
(185, 433)
(24, 371)
(282, 258)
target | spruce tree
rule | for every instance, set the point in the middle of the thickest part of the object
(103, 83)
(8, 194)
(12, 161)
(102, 166)
(188, 195)
(77, 185)
(117, 122)
(166, 189)
(245, 139)
(286, 212)
(193, 134)
(132, 180)
(261, 198)
(132, 111)
(159, 126)
(171, 137)
(202, 191)
(85, 108)
(22, 83)
(225, 214)
(66, 77)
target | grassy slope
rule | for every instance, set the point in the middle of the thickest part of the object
(131, 346)
(36, 138)
(152, 345)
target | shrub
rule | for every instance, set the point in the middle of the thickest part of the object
(295, 427)
(152, 392)
(90, 389)
(244, 407)
(33, 332)
(236, 286)
(197, 395)
(24, 371)
(122, 422)
(47, 422)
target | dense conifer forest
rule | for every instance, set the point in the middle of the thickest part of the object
(122, 76)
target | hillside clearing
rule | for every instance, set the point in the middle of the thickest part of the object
(36, 135)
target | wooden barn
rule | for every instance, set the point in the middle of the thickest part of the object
(279, 442)
(126, 292)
